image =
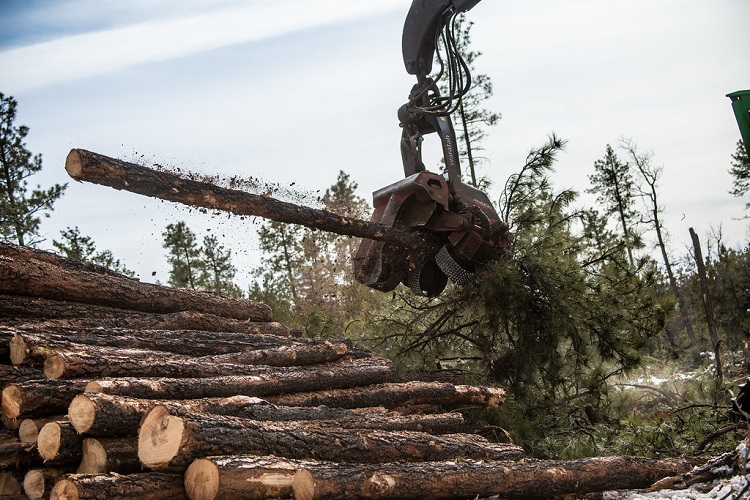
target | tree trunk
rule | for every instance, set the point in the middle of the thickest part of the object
(40, 398)
(39, 482)
(37, 278)
(708, 304)
(84, 165)
(248, 477)
(393, 395)
(167, 441)
(144, 485)
(468, 479)
(34, 347)
(14, 453)
(59, 443)
(267, 382)
(103, 455)
(98, 361)
(21, 310)
(28, 431)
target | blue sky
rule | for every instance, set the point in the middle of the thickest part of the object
(292, 91)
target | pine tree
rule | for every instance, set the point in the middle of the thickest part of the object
(76, 246)
(740, 172)
(217, 271)
(184, 256)
(20, 211)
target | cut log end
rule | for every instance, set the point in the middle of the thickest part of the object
(94, 457)
(94, 387)
(64, 490)
(304, 485)
(18, 351)
(11, 401)
(159, 437)
(28, 431)
(33, 484)
(48, 442)
(202, 480)
(82, 413)
(73, 164)
(54, 366)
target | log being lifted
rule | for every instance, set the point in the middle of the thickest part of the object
(263, 477)
(150, 485)
(104, 415)
(172, 442)
(40, 278)
(84, 165)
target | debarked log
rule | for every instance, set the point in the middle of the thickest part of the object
(167, 441)
(38, 278)
(84, 165)
(276, 380)
(143, 485)
(40, 398)
(471, 479)
(20, 310)
(98, 361)
(31, 345)
(104, 455)
(392, 395)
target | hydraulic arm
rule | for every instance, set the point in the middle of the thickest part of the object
(457, 220)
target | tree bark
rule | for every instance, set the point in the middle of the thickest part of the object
(22, 310)
(103, 415)
(168, 441)
(15, 454)
(59, 443)
(15, 374)
(37, 483)
(469, 479)
(248, 477)
(144, 486)
(40, 398)
(393, 395)
(30, 347)
(84, 165)
(96, 361)
(37, 278)
(103, 455)
(708, 307)
(267, 382)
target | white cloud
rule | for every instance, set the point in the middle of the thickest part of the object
(89, 54)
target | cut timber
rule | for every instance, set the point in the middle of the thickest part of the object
(40, 398)
(15, 374)
(59, 443)
(42, 279)
(172, 442)
(9, 484)
(84, 165)
(144, 485)
(469, 479)
(28, 431)
(35, 347)
(14, 453)
(104, 415)
(97, 361)
(391, 395)
(109, 455)
(249, 477)
(278, 380)
(39, 482)
(21, 309)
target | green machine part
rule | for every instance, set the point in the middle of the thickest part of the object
(741, 106)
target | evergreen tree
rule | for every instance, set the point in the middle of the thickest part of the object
(184, 256)
(76, 246)
(217, 270)
(616, 192)
(740, 172)
(470, 117)
(20, 211)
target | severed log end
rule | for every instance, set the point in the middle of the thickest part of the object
(49, 440)
(65, 489)
(54, 366)
(94, 457)
(28, 431)
(82, 412)
(9, 485)
(304, 485)
(11, 401)
(33, 484)
(18, 350)
(202, 480)
(159, 437)
(74, 164)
